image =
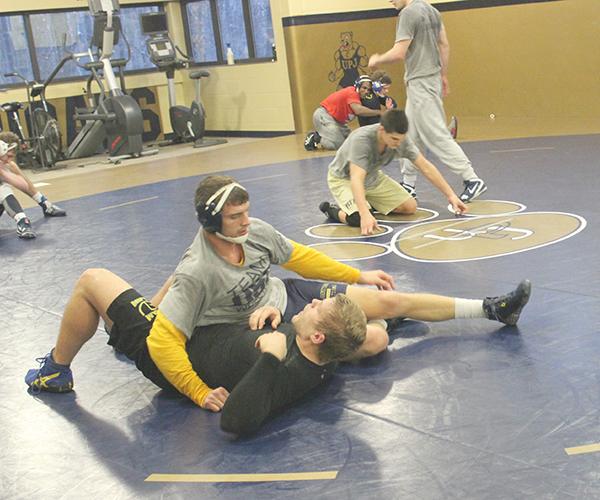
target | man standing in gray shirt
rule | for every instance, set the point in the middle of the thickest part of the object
(421, 42)
(357, 183)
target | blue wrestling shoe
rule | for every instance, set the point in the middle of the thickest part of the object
(50, 376)
(507, 308)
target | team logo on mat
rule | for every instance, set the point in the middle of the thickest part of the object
(421, 215)
(343, 231)
(478, 208)
(352, 250)
(484, 237)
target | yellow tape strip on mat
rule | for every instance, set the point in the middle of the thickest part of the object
(240, 478)
(588, 448)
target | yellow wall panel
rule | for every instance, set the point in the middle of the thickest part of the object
(535, 60)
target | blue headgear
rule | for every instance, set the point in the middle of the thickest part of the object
(377, 86)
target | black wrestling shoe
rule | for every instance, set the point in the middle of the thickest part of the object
(409, 189)
(311, 140)
(330, 210)
(52, 210)
(473, 189)
(507, 308)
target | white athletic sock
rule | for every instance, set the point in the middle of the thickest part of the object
(42, 200)
(19, 216)
(468, 308)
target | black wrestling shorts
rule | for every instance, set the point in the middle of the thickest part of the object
(132, 317)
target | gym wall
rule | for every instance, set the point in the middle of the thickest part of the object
(249, 97)
(527, 60)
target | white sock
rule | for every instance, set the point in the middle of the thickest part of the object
(19, 216)
(42, 200)
(468, 308)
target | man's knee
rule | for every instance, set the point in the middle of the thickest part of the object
(377, 340)
(409, 207)
(90, 278)
(353, 219)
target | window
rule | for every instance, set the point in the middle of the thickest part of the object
(246, 25)
(53, 34)
(202, 36)
(14, 55)
(58, 32)
(130, 19)
(262, 28)
(233, 29)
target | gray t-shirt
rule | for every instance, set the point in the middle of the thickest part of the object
(421, 23)
(361, 149)
(209, 290)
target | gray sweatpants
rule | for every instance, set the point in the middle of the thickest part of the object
(333, 134)
(427, 128)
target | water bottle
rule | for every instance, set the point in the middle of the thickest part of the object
(230, 58)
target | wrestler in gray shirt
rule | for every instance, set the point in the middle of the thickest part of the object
(361, 149)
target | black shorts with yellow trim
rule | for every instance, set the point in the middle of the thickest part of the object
(132, 316)
(300, 292)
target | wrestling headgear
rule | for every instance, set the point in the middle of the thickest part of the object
(209, 214)
(5, 148)
(360, 80)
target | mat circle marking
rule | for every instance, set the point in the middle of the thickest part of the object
(480, 208)
(421, 215)
(346, 251)
(336, 231)
(476, 238)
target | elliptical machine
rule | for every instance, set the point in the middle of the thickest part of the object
(188, 124)
(117, 117)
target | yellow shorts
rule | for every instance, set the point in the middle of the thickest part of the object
(384, 196)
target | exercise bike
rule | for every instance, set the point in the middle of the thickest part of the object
(43, 147)
(188, 124)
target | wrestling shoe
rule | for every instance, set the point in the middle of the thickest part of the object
(409, 189)
(330, 210)
(453, 127)
(50, 376)
(311, 141)
(473, 189)
(507, 308)
(51, 210)
(24, 229)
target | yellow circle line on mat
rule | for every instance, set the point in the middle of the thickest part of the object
(241, 478)
(578, 450)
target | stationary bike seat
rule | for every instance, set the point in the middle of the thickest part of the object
(10, 107)
(195, 75)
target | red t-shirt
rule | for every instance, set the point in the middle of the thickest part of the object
(338, 104)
